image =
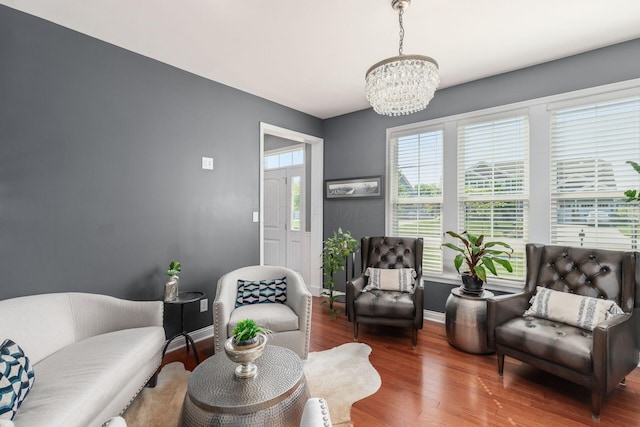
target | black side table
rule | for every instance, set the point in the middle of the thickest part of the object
(183, 299)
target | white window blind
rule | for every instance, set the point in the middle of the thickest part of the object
(415, 193)
(493, 184)
(590, 145)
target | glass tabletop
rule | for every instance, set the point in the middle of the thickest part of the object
(185, 297)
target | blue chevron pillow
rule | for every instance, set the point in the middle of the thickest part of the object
(264, 291)
(16, 379)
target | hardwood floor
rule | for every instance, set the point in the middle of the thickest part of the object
(437, 385)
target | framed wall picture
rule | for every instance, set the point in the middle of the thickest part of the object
(351, 188)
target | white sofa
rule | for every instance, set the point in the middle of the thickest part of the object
(91, 355)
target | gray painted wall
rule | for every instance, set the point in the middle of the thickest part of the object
(101, 183)
(355, 143)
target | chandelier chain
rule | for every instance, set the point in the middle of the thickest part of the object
(400, 13)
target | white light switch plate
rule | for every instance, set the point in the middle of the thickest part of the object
(256, 217)
(207, 163)
(204, 305)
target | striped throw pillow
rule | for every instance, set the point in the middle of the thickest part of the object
(576, 310)
(391, 279)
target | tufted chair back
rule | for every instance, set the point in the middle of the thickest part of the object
(595, 273)
(392, 252)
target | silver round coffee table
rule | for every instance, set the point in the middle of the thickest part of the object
(275, 397)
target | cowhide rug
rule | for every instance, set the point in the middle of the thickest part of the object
(341, 375)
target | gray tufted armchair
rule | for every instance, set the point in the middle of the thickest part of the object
(385, 307)
(598, 359)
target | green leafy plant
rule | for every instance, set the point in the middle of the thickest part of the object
(174, 268)
(479, 255)
(633, 195)
(334, 253)
(247, 329)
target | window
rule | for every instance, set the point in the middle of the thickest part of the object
(493, 183)
(283, 159)
(415, 191)
(590, 145)
(295, 210)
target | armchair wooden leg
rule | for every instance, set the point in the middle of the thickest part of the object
(500, 358)
(355, 331)
(596, 403)
(414, 338)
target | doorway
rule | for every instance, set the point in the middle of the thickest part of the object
(284, 207)
(291, 202)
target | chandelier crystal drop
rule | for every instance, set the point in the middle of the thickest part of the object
(402, 84)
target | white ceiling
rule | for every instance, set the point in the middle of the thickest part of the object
(311, 55)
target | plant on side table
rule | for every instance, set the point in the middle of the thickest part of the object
(245, 345)
(171, 287)
(334, 253)
(478, 255)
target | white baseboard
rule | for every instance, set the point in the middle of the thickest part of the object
(197, 336)
(434, 316)
(315, 290)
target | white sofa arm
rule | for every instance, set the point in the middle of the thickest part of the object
(316, 413)
(6, 423)
(95, 314)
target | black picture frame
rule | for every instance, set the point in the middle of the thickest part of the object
(353, 188)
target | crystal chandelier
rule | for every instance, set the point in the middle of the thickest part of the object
(401, 84)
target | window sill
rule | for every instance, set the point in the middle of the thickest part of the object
(508, 286)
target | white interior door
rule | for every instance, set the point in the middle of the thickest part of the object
(275, 214)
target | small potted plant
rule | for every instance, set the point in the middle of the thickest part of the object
(246, 344)
(246, 333)
(478, 255)
(171, 287)
(334, 253)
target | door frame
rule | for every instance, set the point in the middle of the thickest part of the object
(316, 215)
